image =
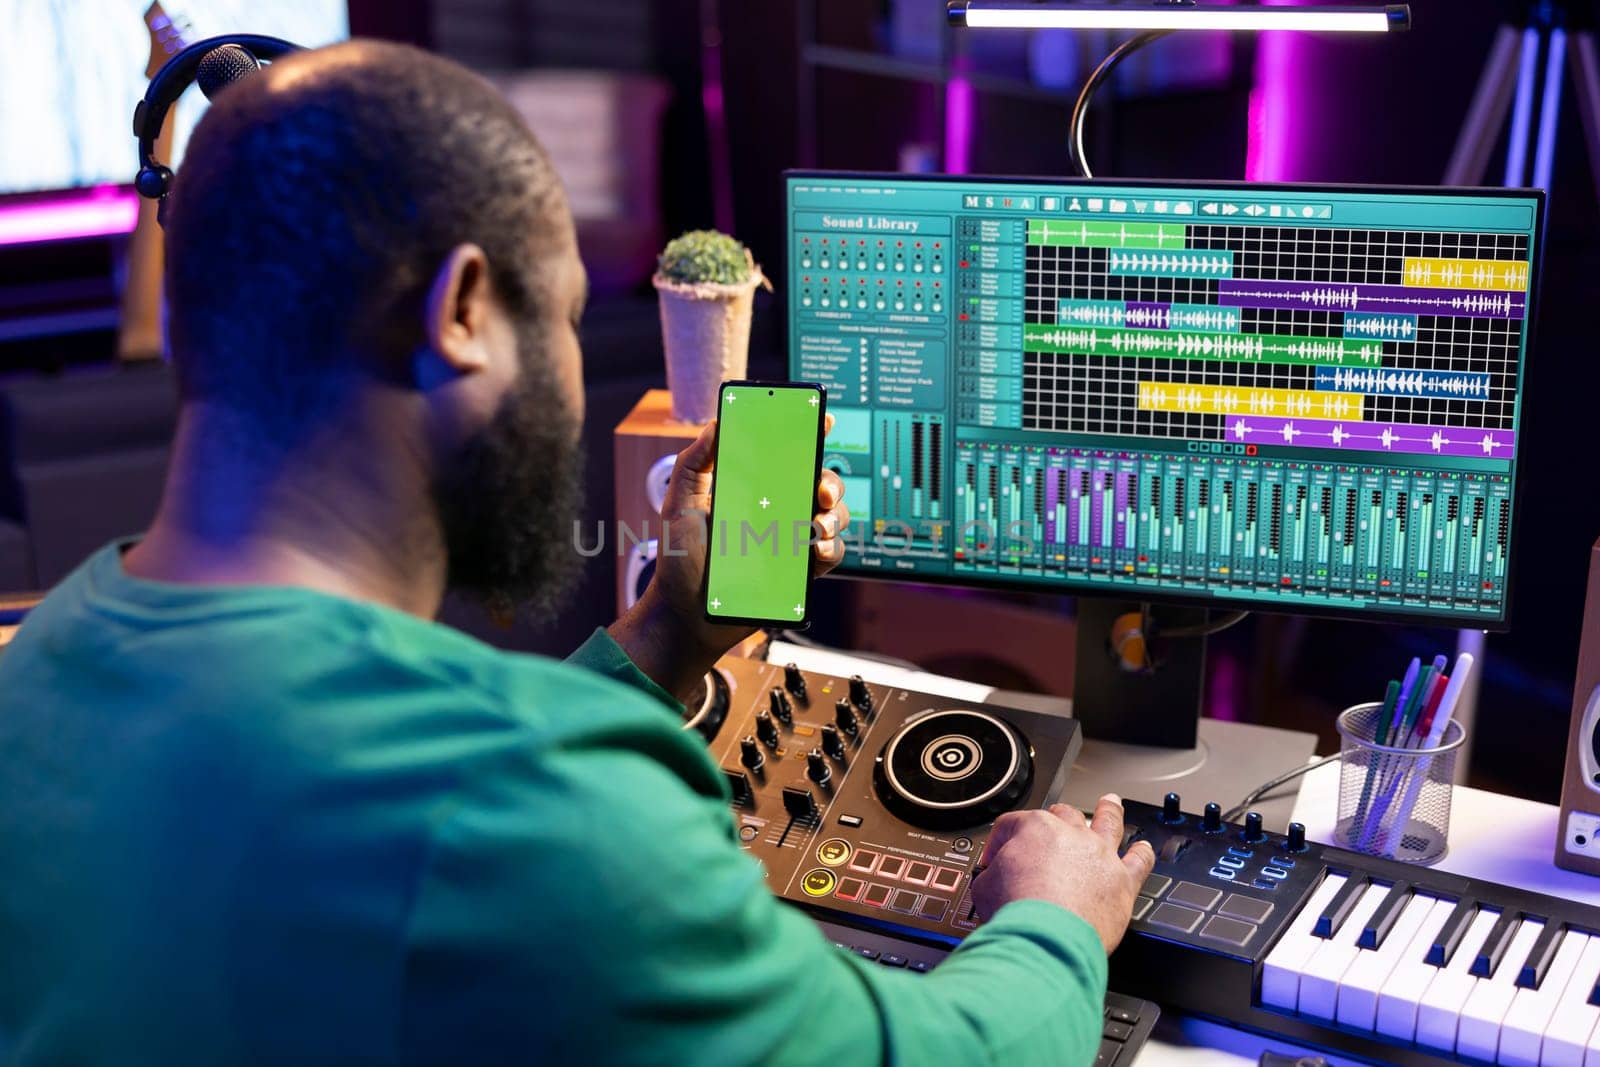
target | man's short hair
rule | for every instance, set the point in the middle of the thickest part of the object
(314, 206)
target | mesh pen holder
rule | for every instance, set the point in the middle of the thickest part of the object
(1393, 802)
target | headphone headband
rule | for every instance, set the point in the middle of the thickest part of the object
(176, 75)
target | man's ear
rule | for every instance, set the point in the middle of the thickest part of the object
(457, 314)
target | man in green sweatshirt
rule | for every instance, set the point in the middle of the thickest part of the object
(256, 807)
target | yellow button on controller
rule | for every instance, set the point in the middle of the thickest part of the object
(818, 882)
(833, 851)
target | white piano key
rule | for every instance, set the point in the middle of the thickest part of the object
(1572, 1025)
(1402, 991)
(1358, 991)
(1280, 971)
(1439, 1012)
(1485, 1010)
(1323, 970)
(1522, 1031)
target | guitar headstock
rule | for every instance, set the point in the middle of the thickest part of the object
(169, 35)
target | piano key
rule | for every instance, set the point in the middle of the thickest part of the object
(1541, 956)
(1572, 1024)
(1448, 940)
(1522, 1032)
(1402, 991)
(1358, 992)
(1378, 926)
(1280, 971)
(1323, 971)
(1487, 961)
(1338, 909)
(1439, 1011)
(1485, 1010)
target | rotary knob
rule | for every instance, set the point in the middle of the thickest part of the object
(833, 741)
(794, 681)
(750, 754)
(767, 729)
(817, 768)
(845, 716)
(1253, 831)
(1211, 821)
(860, 695)
(1296, 841)
(778, 703)
(1172, 809)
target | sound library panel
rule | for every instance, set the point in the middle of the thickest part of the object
(1306, 396)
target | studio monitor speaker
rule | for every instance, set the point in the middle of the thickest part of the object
(1578, 835)
(646, 443)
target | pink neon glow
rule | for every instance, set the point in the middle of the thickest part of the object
(1271, 156)
(104, 211)
(959, 104)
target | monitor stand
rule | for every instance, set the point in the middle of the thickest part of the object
(1143, 734)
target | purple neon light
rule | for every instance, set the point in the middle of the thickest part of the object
(102, 212)
(1277, 125)
(1522, 110)
(959, 108)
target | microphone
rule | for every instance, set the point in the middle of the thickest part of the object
(222, 66)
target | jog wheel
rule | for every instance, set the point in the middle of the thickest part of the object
(952, 769)
(707, 706)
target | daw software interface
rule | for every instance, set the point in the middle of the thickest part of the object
(1293, 398)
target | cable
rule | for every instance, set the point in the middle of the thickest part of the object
(1260, 791)
(1080, 109)
(1207, 628)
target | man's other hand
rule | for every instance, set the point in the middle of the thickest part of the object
(681, 566)
(1059, 857)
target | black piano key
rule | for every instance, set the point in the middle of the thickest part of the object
(1487, 961)
(1545, 946)
(1594, 995)
(1339, 907)
(1450, 934)
(1382, 921)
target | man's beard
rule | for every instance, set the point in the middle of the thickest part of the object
(510, 502)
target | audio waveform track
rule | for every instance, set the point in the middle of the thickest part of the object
(1457, 302)
(1373, 436)
(1222, 347)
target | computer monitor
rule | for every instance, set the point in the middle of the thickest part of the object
(1287, 398)
(71, 73)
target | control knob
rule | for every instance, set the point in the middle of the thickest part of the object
(1172, 809)
(781, 709)
(1253, 831)
(767, 729)
(1296, 841)
(860, 695)
(750, 754)
(1211, 822)
(817, 768)
(794, 681)
(845, 716)
(833, 741)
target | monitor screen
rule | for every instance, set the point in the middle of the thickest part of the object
(1283, 398)
(71, 72)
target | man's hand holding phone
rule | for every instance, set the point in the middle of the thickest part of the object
(667, 634)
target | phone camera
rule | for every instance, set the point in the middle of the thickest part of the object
(769, 392)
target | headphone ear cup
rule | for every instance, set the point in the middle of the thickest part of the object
(153, 182)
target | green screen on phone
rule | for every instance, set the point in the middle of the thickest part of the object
(763, 499)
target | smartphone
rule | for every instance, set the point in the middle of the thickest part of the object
(763, 497)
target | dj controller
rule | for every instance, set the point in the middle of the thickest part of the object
(869, 806)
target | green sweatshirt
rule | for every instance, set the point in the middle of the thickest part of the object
(268, 825)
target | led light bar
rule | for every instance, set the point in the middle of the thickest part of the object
(1182, 15)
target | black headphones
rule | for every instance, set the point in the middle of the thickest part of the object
(155, 178)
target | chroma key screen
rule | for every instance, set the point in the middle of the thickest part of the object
(1292, 398)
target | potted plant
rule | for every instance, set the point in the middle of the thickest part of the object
(707, 283)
